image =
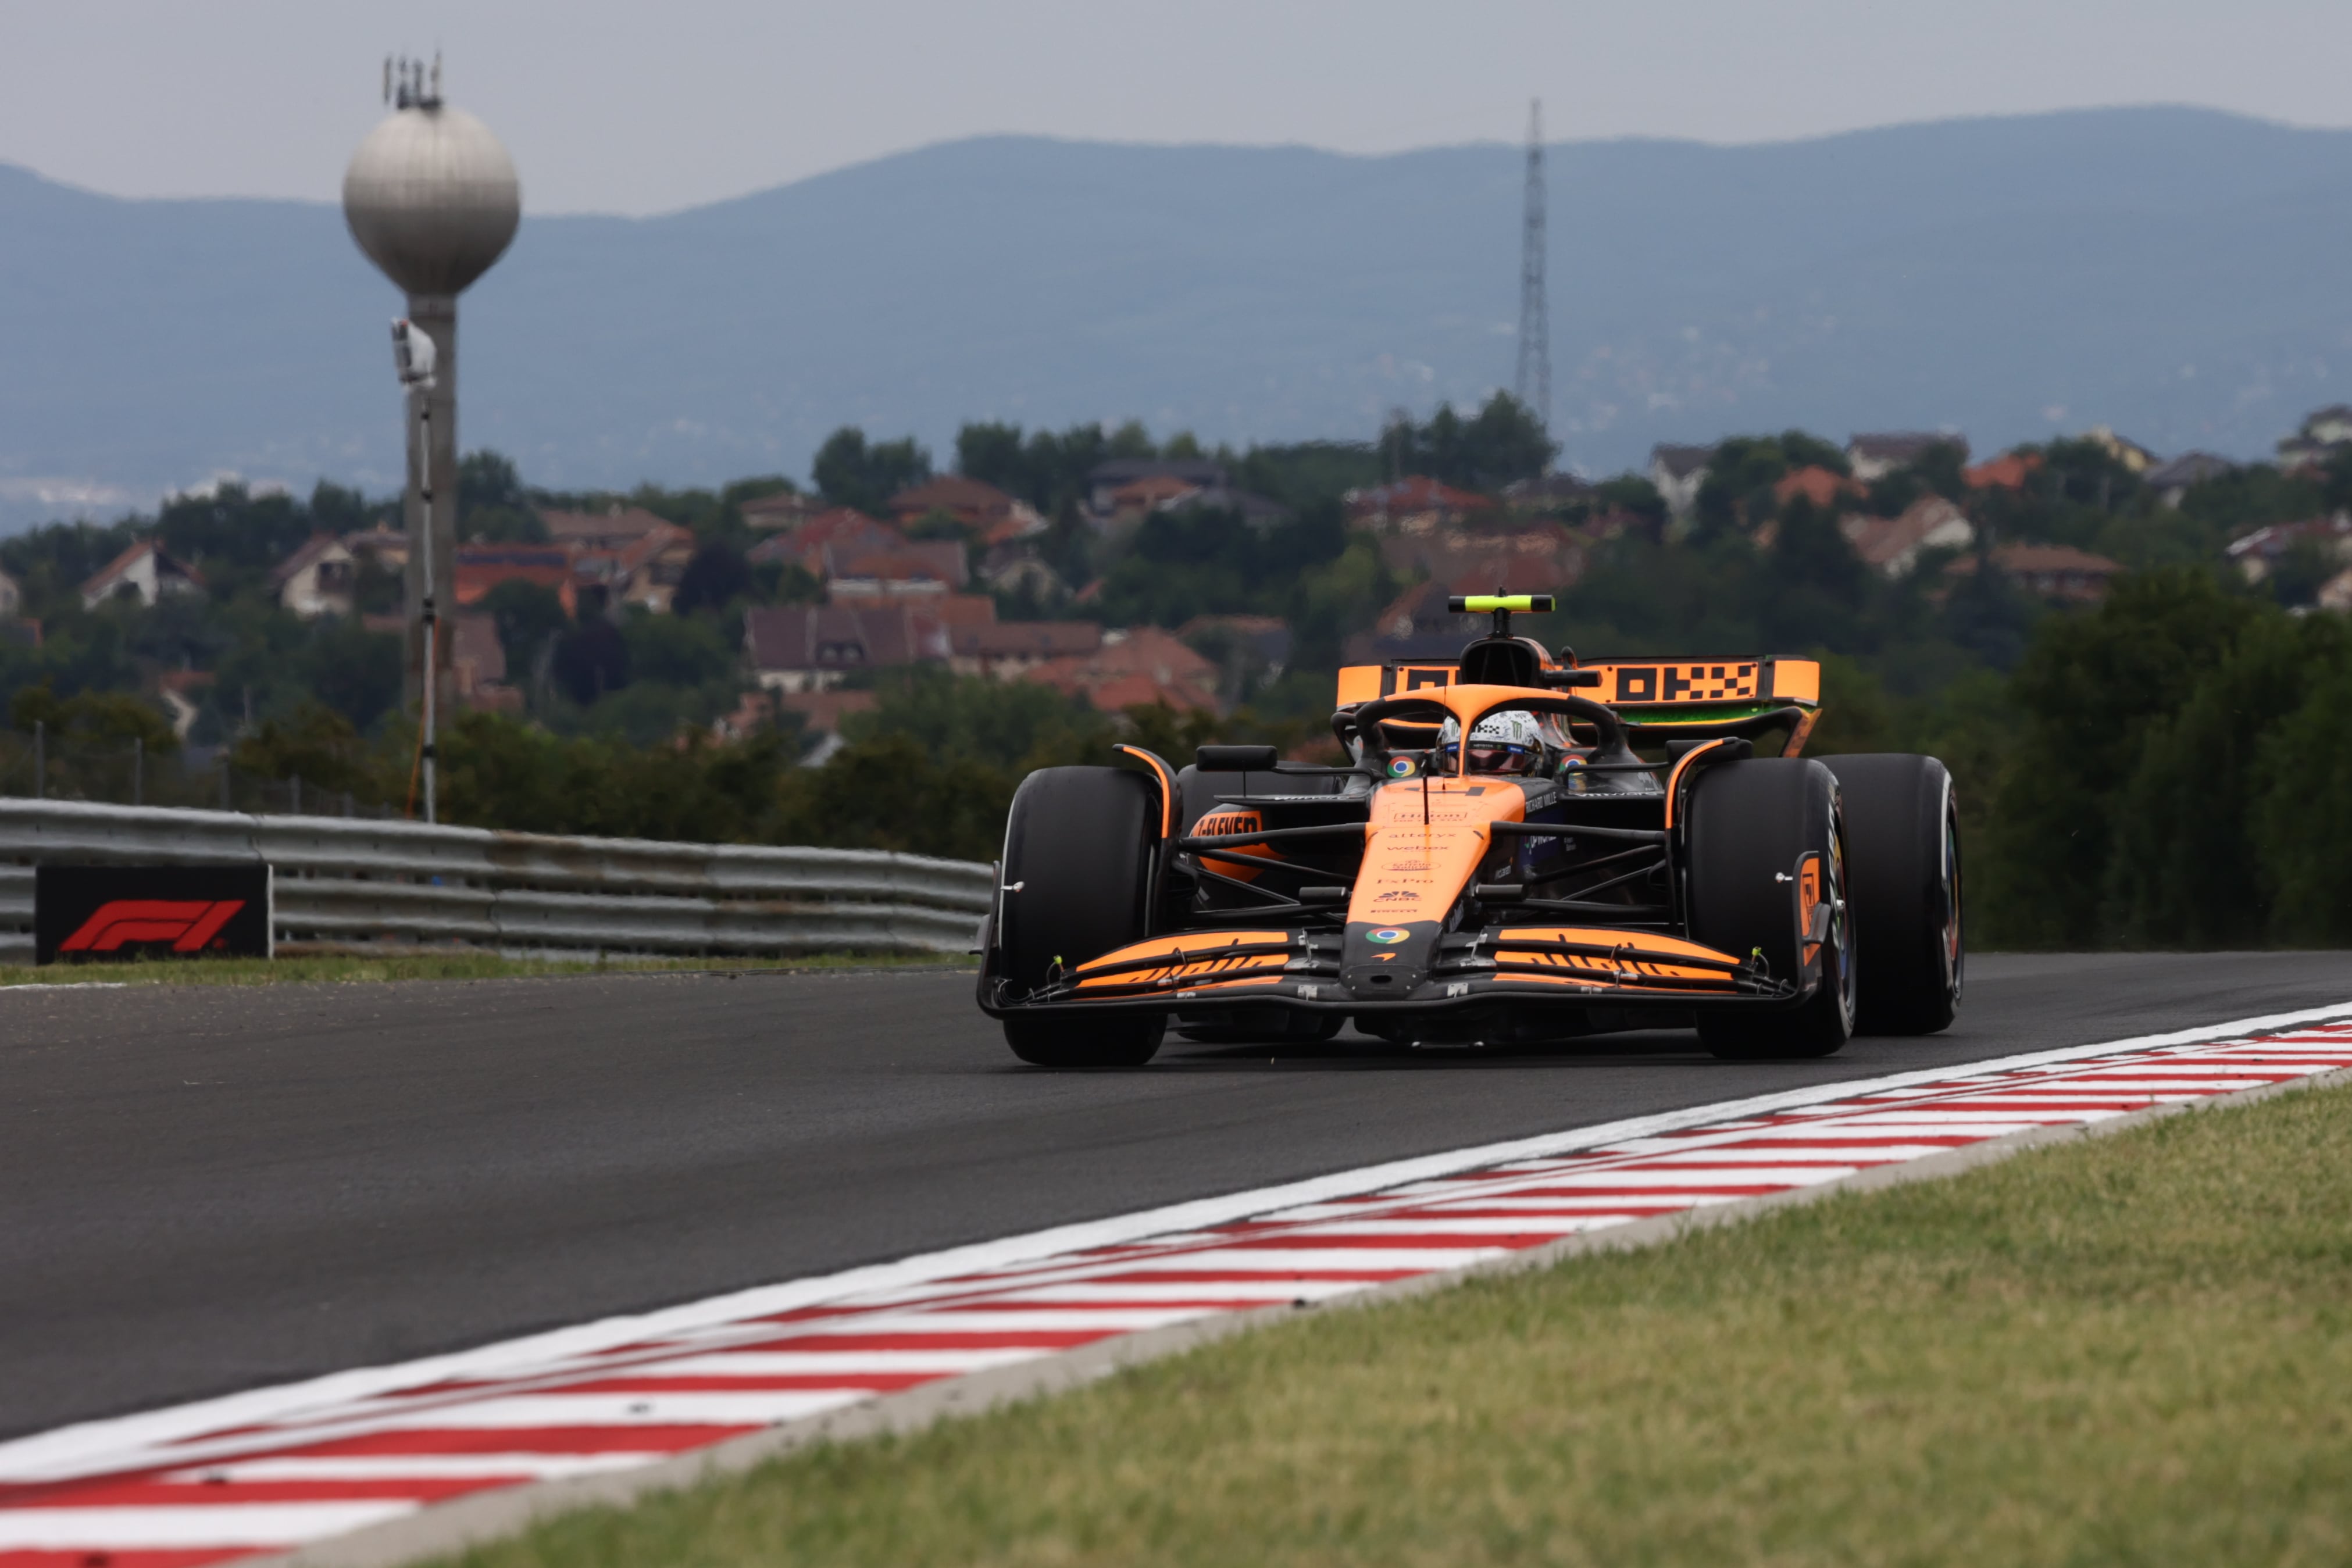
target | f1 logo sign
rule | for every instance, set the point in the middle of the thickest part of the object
(122, 913)
(186, 924)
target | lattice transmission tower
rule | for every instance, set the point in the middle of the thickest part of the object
(1533, 387)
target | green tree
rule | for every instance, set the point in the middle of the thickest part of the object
(1500, 444)
(2184, 871)
(2301, 827)
(527, 614)
(1738, 490)
(852, 473)
(2088, 690)
(716, 577)
(317, 745)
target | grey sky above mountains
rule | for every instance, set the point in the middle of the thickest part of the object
(615, 106)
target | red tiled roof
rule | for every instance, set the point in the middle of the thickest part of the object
(602, 530)
(822, 711)
(924, 560)
(771, 511)
(1146, 666)
(872, 634)
(480, 568)
(1414, 494)
(1029, 639)
(2006, 472)
(951, 492)
(1822, 486)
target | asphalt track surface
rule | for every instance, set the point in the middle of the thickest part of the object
(207, 1189)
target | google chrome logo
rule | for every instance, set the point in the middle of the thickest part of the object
(1387, 935)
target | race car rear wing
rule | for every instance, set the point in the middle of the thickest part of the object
(1680, 682)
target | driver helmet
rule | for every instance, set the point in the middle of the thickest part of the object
(1506, 742)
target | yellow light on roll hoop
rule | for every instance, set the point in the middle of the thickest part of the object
(1519, 603)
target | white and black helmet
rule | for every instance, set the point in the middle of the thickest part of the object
(1508, 742)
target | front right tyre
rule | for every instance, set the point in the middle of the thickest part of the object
(1905, 831)
(1751, 824)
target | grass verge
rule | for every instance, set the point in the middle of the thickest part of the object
(427, 966)
(2135, 1349)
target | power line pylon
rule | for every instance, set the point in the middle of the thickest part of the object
(1534, 383)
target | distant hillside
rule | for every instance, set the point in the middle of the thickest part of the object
(2174, 273)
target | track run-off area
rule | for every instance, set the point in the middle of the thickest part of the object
(286, 1263)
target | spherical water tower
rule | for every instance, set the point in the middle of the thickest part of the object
(432, 198)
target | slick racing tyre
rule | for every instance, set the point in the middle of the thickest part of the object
(1751, 823)
(1904, 832)
(1077, 874)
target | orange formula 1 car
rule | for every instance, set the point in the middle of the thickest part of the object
(1523, 848)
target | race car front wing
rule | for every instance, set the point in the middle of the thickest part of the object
(1405, 968)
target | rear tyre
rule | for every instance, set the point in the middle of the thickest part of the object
(1077, 864)
(1751, 823)
(1905, 832)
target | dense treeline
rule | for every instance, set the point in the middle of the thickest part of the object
(2161, 769)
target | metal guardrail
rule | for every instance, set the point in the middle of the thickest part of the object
(343, 883)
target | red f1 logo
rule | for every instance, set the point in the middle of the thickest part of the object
(187, 925)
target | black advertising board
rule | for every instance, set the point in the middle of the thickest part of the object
(111, 913)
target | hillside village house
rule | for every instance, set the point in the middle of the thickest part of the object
(2129, 453)
(1105, 480)
(2170, 481)
(480, 568)
(919, 566)
(1539, 558)
(2059, 573)
(1873, 457)
(813, 647)
(784, 509)
(2256, 555)
(1017, 567)
(1891, 545)
(982, 510)
(1822, 487)
(1134, 668)
(839, 532)
(318, 578)
(2009, 471)
(625, 555)
(144, 571)
(11, 595)
(1009, 651)
(1546, 493)
(385, 549)
(1415, 504)
(2324, 431)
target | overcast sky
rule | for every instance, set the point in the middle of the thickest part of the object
(632, 107)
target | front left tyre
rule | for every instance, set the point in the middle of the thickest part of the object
(1077, 881)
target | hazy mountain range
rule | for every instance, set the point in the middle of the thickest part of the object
(2174, 273)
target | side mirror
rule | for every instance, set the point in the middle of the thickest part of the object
(1235, 758)
(1565, 678)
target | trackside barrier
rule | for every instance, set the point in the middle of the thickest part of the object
(344, 883)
